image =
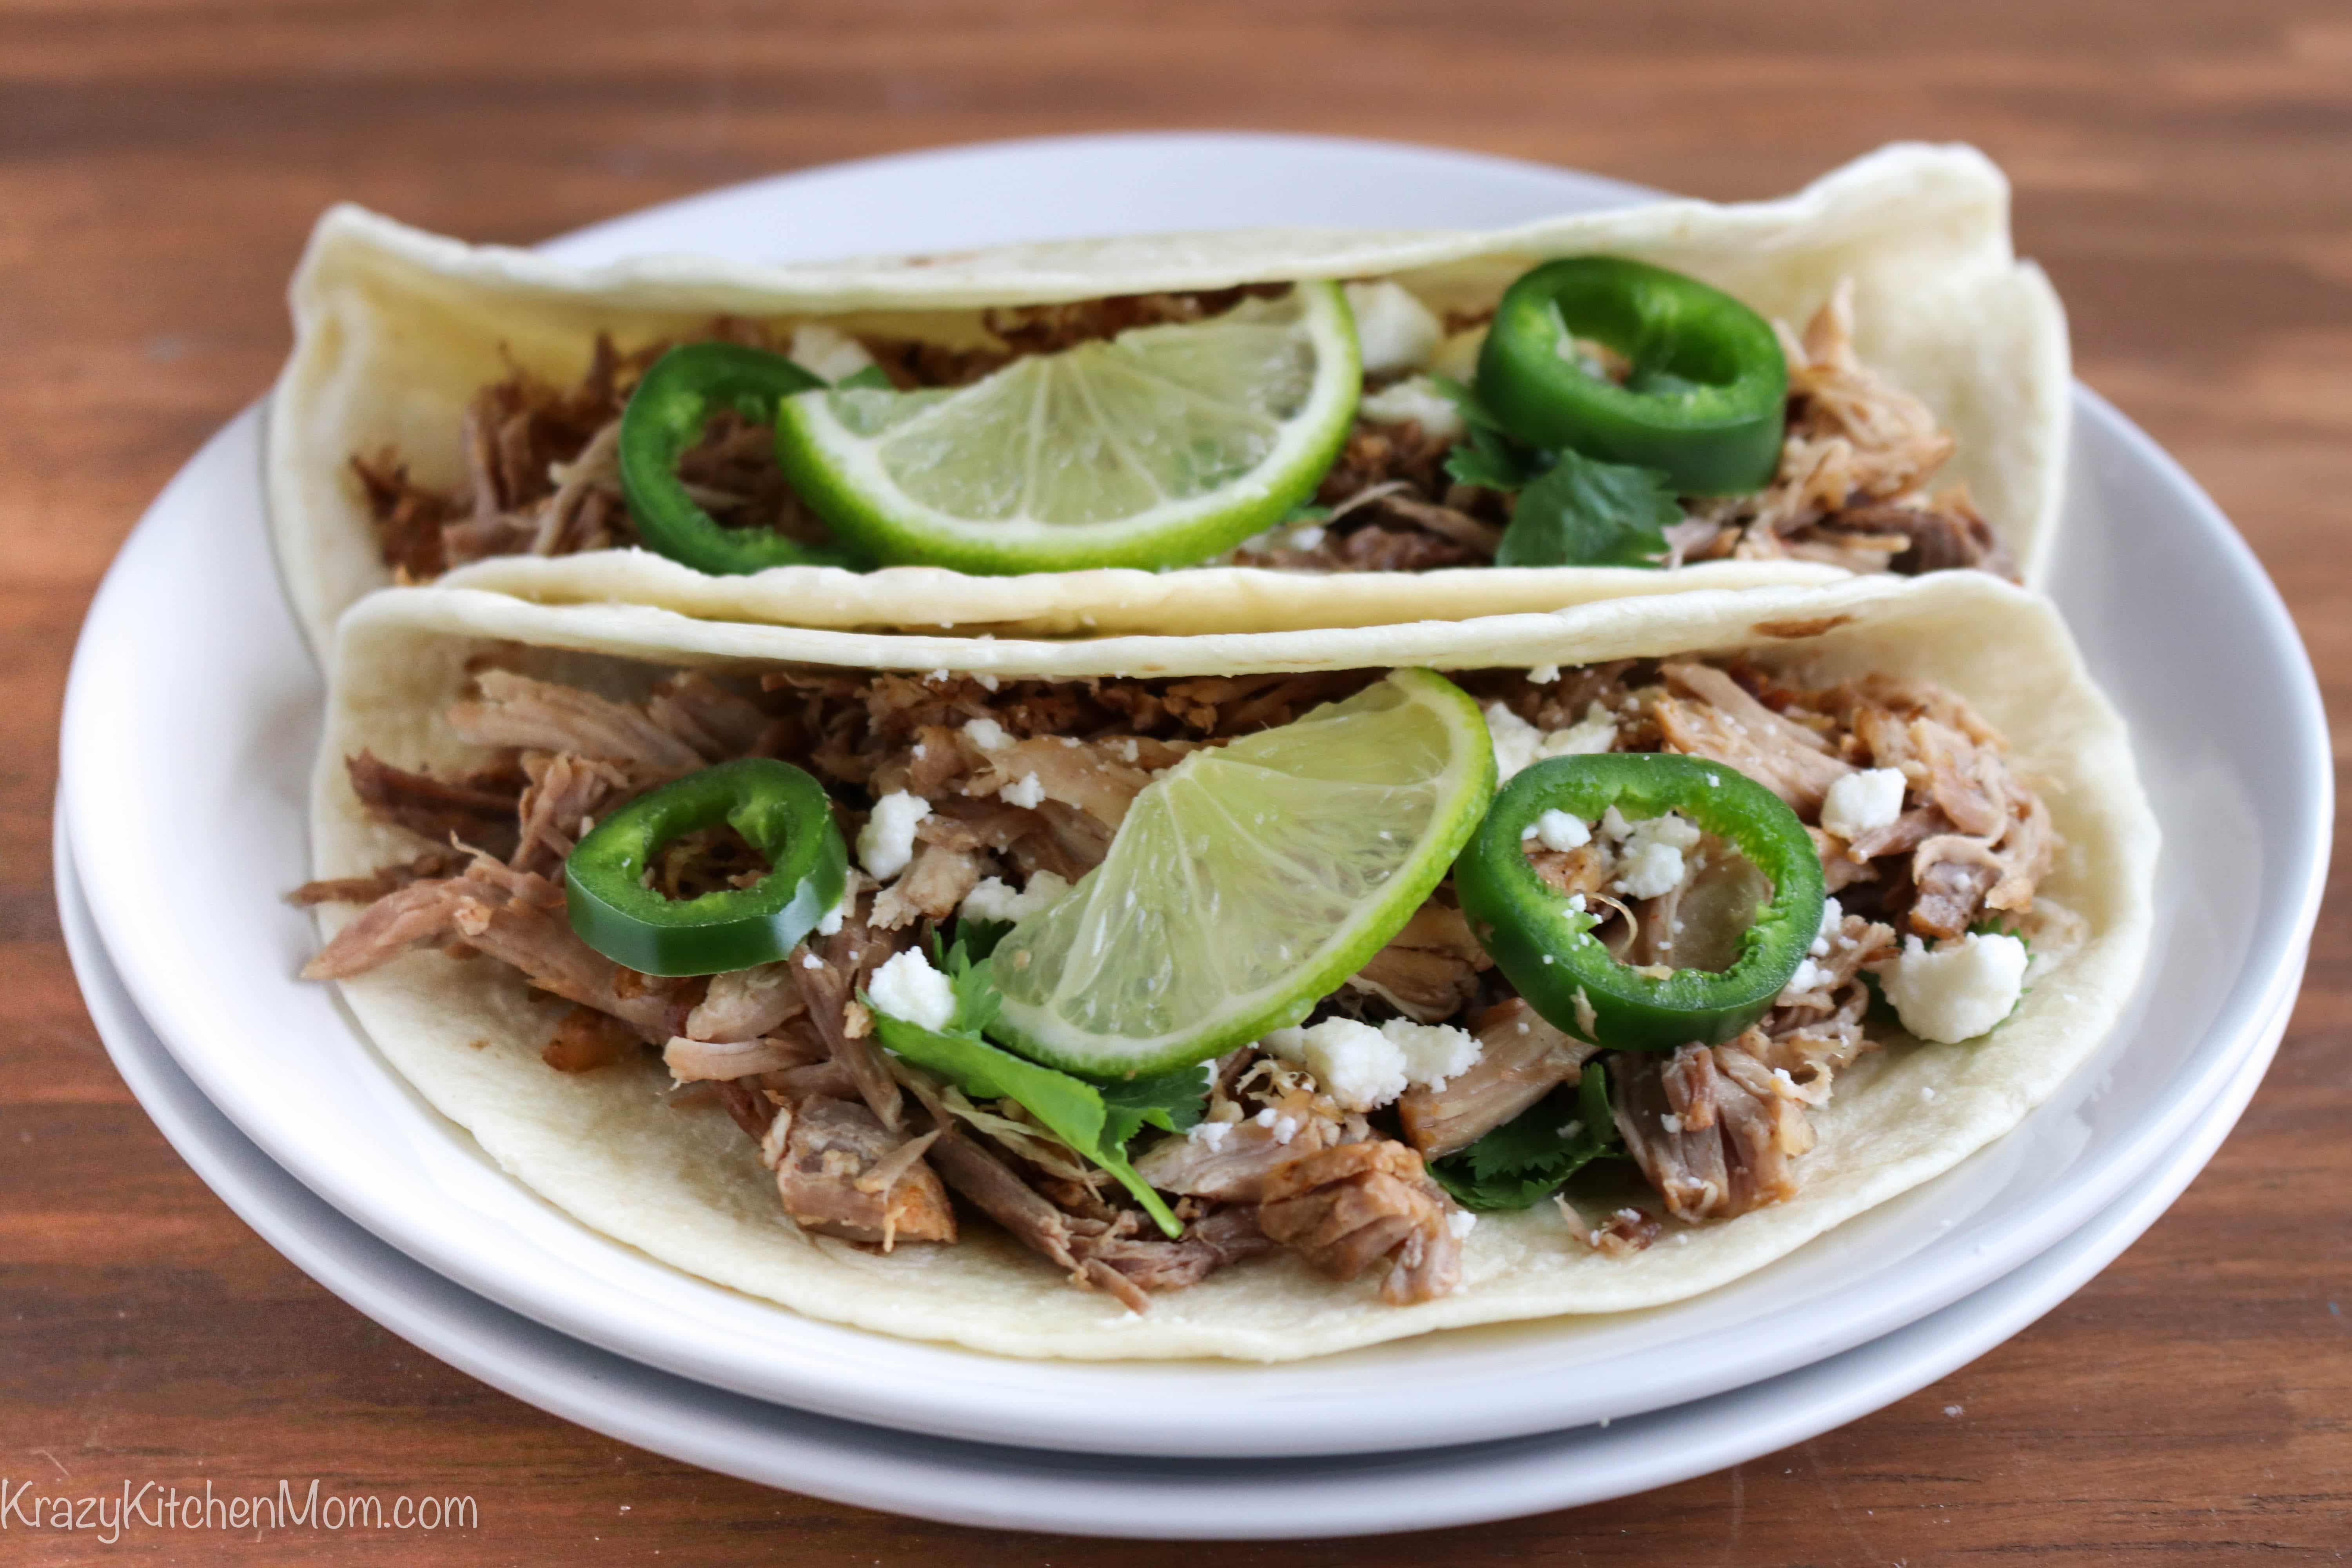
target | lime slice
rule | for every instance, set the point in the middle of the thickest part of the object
(1249, 880)
(1161, 446)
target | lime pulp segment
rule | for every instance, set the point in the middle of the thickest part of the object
(1250, 880)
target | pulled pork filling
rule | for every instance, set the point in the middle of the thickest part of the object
(971, 794)
(542, 476)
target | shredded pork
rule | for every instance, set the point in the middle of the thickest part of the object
(1025, 777)
(542, 476)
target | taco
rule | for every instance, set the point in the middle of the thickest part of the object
(1253, 996)
(1254, 430)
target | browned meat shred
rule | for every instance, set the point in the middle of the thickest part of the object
(384, 881)
(1347, 1208)
(517, 919)
(1710, 1145)
(1234, 1168)
(1522, 1058)
(836, 1177)
(1430, 969)
(476, 810)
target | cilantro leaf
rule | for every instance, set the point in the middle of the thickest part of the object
(871, 376)
(1085, 1116)
(1172, 1101)
(978, 1001)
(1527, 1158)
(1483, 457)
(1585, 512)
(1488, 453)
(980, 937)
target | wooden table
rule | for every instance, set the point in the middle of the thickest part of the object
(2184, 171)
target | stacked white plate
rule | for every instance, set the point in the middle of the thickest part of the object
(190, 726)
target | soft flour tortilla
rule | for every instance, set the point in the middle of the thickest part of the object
(684, 1185)
(397, 329)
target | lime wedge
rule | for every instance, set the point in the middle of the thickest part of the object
(1162, 446)
(1249, 880)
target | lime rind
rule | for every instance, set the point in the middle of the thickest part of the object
(1162, 446)
(1250, 881)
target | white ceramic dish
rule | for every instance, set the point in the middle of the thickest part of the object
(1030, 1489)
(192, 709)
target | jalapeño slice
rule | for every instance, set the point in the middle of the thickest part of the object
(666, 416)
(1545, 948)
(782, 812)
(1707, 398)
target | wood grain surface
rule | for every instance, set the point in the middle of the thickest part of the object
(2184, 169)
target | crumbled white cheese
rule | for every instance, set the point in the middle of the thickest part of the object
(1457, 356)
(1461, 1222)
(1672, 830)
(1433, 1052)
(1520, 744)
(831, 921)
(1352, 1062)
(1650, 851)
(1211, 1135)
(987, 734)
(1307, 536)
(1557, 830)
(886, 842)
(908, 987)
(1671, 1122)
(1832, 917)
(987, 680)
(1649, 870)
(1863, 803)
(1126, 748)
(1810, 976)
(1544, 674)
(1028, 789)
(1394, 330)
(994, 898)
(828, 352)
(811, 961)
(1413, 401)
(1283, 1126)
(1958, 991)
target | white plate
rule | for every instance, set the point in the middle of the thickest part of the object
(192, 711)
(1029, 1489)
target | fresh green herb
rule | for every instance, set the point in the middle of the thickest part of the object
(1095, 1119)
(1171, 1101)
(1527, 1158)
(1488, 453)
(978, 937)
(872, 377)
(1585, 512)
